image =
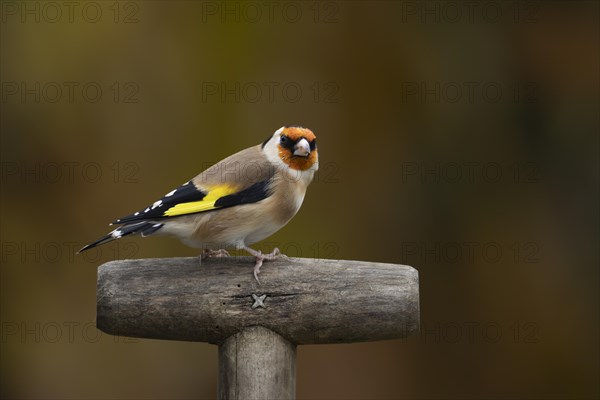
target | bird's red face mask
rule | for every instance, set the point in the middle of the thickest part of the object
(298, 148)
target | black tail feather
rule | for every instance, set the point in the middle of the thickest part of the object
(144, 228)
(102, 240)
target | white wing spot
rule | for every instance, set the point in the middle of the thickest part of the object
(171, 193)
(155, 225)
(157, 204)
(137, 213)
(147, 209)
(116, 233)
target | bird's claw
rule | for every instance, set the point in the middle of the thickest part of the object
(209, 253)
(274, 255)
(259, 262)
(260, 257)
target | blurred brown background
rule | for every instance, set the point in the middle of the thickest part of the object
(457, 137)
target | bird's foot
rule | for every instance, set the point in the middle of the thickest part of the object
(260, 257)
(208, 253)
(259, 263)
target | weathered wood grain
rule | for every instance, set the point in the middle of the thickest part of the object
(307, 301)
(257, 364)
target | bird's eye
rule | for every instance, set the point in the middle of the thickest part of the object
(283, 139)
(313, 145)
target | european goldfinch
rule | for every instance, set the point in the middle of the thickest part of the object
(237, 202)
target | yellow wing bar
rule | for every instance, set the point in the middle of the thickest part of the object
(206, 204)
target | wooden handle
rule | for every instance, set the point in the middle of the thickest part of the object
(257, 363)
(305, 301)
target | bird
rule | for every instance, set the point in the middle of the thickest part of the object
(235, 203)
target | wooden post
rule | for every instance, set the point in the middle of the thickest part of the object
(257, 363)
(257, 326)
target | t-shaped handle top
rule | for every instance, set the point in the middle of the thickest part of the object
(306, 301)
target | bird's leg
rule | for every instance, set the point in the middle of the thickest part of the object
(260, 257)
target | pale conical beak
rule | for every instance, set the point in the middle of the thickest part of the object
(302, 148)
